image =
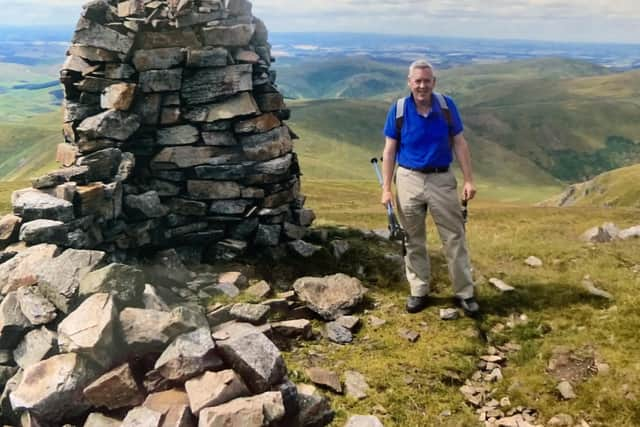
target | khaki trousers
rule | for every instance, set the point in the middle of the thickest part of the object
(416, 193)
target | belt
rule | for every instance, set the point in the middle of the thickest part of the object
(440, 169)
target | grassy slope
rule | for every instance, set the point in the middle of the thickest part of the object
(27, 148)
(500, 238)
(339, 137)
(615, 188)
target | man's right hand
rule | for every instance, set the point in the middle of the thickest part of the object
(387, 197)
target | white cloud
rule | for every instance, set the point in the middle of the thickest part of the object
(595, 20)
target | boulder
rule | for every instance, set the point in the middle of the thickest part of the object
(37, 345)
(174, 404)
(44, 231)
(9, 226)
(266, 146)
(255, 358)
(36, 308)
(252, 313)
(188, 355)
(629, 233)
(115, 389)
(13, 324)
(124, 283)
(214, 388)
(330, 296)
(52, 389)
(257, 411)
(96, 419)
(21, 270)
(90, 330)
(59, 278)
(148, 331)
(142, 417)
(33, 204)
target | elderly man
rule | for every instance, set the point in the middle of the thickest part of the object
(422, 132)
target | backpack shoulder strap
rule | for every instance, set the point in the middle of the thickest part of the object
(444, 107)
(399, 116)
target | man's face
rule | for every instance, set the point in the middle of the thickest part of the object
(421, 82)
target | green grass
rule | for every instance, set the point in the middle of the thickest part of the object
(501, 236)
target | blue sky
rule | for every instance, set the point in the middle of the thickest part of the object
(561, 20)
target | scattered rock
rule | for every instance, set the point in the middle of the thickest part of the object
(566, 390)
(259, 290)
(355, 385)
(602, 234)
(349, 322)
(449, 314)
(533, 261)
(409, 335)
(325, 378)
(561, 420)
(338, 333)
(364, 421)
(375, 321)
(253, 313)
(330, 296)
(500, 285)
(590, 287)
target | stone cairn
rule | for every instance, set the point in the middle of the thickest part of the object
(174, 135)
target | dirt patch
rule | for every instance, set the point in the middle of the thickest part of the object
(574, 366)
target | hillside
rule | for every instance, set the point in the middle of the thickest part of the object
(616, 188)
(28, 147)
(339, 137)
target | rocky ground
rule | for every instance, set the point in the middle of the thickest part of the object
(304, 336)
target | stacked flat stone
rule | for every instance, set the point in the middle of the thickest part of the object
(174, 134)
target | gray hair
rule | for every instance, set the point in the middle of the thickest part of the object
(421, 64)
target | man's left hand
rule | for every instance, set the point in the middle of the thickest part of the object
(468, 191)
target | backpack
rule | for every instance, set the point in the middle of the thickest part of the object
(400, 114)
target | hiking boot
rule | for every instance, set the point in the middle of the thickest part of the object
(469, 305)
(416, 304)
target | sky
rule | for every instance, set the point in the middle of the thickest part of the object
(556, 20)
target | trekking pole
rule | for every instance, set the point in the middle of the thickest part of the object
(465, 213)
(395, 230)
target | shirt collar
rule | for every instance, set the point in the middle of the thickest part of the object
(435, 105)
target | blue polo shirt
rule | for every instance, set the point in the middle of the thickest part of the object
(425, 140)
